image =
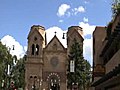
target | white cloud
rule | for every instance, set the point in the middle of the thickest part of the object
(62, 9)
(9, 41)
(87, 29)
(85, 19)
(25, 48)
(60, 21)
(80, 9)
(87, 48)
(50, 32)
(66, 10)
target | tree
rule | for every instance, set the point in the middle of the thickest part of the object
(3, 58)
(87, 75)
(19, 73)
(116, 7)
(80, 76)
(5, 61)
(3, 55)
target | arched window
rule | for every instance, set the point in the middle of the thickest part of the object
(37, 49)
(33, 49)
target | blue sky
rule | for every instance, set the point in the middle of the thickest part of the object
(17, 16)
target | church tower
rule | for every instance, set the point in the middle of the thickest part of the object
(34, 62)
(74, 32)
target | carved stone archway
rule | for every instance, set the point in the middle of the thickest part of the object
(53, 81)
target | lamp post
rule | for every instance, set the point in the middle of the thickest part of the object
(73, 70)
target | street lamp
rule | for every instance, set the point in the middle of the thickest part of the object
(72, 66)
(72, 70)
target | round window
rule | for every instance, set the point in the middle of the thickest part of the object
(54, 61)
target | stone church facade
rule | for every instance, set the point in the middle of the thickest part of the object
(46, 64)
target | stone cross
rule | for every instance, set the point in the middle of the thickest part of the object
(55, 32)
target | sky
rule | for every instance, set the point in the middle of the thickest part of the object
(17, 17)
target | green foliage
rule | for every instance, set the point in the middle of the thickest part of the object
(87, 75)
(5, 59)
(81, 76)
(19, 73)
(116, 7)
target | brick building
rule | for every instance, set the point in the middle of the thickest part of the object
(106, 56)
(46, 64)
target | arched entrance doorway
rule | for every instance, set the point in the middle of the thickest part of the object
(54, 85)
(54, 82)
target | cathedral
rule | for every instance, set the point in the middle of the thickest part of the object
(46, 64)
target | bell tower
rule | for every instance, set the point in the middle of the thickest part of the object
(34, 62)
(74, 32)
(36, 40)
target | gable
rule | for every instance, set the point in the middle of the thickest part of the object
(55, 45)
(34, 33)
(75, 34)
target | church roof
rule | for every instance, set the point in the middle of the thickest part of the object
(76, 29)
(52, 40)
(37, 28)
